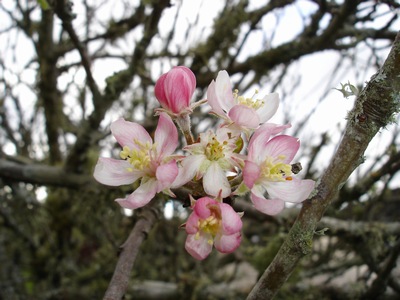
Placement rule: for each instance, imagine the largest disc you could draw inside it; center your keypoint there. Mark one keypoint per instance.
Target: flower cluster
(244, 155)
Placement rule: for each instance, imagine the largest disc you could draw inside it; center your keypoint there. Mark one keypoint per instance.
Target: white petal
(271, 104)
(214, 181)
(223, 89)
(190, 166)
(294, 190)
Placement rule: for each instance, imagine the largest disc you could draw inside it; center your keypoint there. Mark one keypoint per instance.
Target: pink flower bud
(175, 88)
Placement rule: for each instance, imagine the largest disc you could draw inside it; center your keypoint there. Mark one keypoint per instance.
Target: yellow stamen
(249, 102)
(212, 224)
(215, 150)
(276, 170)
(139, 158)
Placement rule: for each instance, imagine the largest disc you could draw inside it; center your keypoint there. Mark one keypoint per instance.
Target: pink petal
(141, 196)
(294, 190)
(179, 85)
(227, 243)
(190, 78)
(267, 206)
(214, 181)
(175, 88)
(159, 91)
(271, 104)
(189, 168)
(115, 172)
(223, 90)
(245, 116)
(166, 175)
(198, 248)
(251, 172)
(231, 221)
(281, 145)
(166, 136)
(126, 133)
(201, 207)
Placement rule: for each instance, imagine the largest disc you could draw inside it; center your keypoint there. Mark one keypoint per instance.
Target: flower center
(139, 158)
(210, 225)
(249, 102)
(215, 150)
(276, 170)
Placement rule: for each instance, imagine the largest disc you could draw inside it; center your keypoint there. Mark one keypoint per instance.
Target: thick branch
(41, 174)
(377, 103)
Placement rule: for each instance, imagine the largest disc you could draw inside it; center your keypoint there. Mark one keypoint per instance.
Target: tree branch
(42, 174)
(130, 249)
(377, 103)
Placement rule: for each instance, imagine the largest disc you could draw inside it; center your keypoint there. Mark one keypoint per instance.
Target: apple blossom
(212, 223)
(141, 158)
(211, 158)
(239, 112)
(268, 169)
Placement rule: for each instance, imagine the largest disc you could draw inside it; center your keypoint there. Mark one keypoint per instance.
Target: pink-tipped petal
(294, 190)
(215, 181)
(199, 247)
(267, 206)
(261, 137)
(166, 175)
(223, 89)
(115, 172)
(271, 104)
(192, 224)
(227, 243)
(126, 133)
(281, 146)
(251, 172)
(213, 100)
(231, 221)
(245, 116)
(141, 196)
(166, 136)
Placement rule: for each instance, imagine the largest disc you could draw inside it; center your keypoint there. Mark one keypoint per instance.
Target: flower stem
(183, 123)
